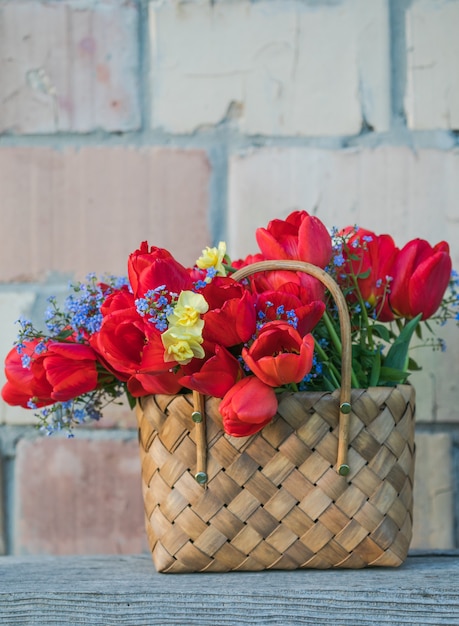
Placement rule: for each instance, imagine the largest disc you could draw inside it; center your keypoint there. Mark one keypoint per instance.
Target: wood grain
(113, 590)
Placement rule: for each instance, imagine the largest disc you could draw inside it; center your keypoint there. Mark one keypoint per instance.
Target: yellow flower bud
(213, 257)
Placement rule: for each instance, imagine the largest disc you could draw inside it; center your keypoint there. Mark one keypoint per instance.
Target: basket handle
(346, 360)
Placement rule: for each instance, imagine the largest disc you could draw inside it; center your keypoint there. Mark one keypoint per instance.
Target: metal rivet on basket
(345, 407)
(344, 470)
(196, 417)
(201, 478)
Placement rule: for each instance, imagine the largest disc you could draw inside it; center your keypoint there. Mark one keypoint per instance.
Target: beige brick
(78, 211)
(388, 190)
(432, 93)
(68, 66)
(78, 496)
(433, 525)
(275, 68)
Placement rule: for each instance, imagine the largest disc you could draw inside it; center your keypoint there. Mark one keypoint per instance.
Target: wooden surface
(112, 590)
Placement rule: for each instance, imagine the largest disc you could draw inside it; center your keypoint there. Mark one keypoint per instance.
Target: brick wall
(190, 122)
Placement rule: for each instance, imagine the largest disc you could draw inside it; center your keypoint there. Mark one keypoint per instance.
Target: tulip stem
(332, 332)
(334, 373)
(363, 309)
(337, 343)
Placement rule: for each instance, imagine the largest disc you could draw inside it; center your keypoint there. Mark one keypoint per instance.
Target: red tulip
(248, 260)
(60, 373)
(231, 319)
(131, 348)
(308, 314)
(151, 268)
(120, 299)
(247, 407)
(301, 236)
(26, 384)
(216, 376)
(288, 281)
(373, 257)
(279, 355)
(421, 276)
(70, 369)
(121, 339)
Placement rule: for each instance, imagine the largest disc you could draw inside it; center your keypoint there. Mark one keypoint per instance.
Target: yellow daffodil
(213, 258)
(181, 346)
(187, 312)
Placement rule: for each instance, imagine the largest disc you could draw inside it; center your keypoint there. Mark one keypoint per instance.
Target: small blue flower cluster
(63, 416)
(80, 314)
(289, 316)
(449, 308)
(454, 290)
(316, 371)
(27, 333)
(158, 303)
(208, 275)
(82, 308)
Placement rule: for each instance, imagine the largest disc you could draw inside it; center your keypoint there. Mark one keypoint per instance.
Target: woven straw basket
(327, 484)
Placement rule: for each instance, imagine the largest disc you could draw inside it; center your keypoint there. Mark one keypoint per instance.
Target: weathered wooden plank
(113, 590)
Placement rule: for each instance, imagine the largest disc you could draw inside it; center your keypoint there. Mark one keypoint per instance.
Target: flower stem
(363, 309)
(334, 372)
(332, 332)
(337, 343)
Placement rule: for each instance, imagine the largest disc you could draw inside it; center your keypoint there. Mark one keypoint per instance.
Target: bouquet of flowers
(169, 329)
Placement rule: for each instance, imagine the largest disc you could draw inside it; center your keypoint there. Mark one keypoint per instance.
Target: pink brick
(80, 211)
(67, 66)
(78, 496)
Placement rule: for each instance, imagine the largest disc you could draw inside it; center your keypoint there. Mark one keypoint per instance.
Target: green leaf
(397, 357)
(413, 366)
(364, 275)
(391, 375)
(429, 327)
(131, 400)
(382, 331)
(65, 334)
(419, 331)
(329, 386)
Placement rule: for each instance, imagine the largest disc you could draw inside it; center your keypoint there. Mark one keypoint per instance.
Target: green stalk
(332, 368)
(363, 308)
(337, 343)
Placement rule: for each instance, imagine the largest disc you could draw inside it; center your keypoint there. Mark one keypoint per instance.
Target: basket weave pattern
(274, 500)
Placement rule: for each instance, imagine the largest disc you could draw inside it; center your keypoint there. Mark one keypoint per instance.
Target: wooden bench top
(113, 590)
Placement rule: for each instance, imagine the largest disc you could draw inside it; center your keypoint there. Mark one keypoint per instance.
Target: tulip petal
(216, 376)
(145, 384)
(247, 407)
(425, 295)
(70, 378)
